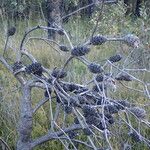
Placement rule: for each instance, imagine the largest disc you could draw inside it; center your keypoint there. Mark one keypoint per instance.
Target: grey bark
(25, 123)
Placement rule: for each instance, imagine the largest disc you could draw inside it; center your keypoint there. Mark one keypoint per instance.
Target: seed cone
(11, 31)
(123, 77)
(138, 112)
(132, 40)
(35, 68)
(95, 68)
(98, 40)
(58, 73)
(115, 58)
(63, 48)
(80, 51)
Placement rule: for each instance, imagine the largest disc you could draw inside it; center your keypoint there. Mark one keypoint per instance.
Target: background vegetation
(113, 22)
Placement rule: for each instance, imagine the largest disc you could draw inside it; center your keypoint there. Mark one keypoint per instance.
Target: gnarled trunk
(25, 123)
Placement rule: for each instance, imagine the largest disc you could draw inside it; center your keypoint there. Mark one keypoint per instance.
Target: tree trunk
(25, 123)
(53, 16)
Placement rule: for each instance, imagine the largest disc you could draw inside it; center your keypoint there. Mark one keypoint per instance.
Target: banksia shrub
(89, 108)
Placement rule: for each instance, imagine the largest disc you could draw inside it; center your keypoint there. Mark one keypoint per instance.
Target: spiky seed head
(71, 87)
(98, 40)
(109, 118)
(121, 104)
(92, 119)
(132, 40)
(59, 73)
(138, 112)
(110, 109)
(68, 109)
(115, 58)
(35, 68)
(124, 77)
(99, 78)
(63, 48)
(11, 31)
(87, 110)
(81, 99)
(95, 68)
(17, 65)
(80, 51)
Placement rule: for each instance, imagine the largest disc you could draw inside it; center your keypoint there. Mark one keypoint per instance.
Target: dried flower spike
(99, 78)
(115, 58)
(123, 77)
(80, 51)
(11, 31)
(63, 48)
(35, 68)
(132, 40)
(17, 66)
(95, 68)
(98, 40)
(58, 73)
(138, 112)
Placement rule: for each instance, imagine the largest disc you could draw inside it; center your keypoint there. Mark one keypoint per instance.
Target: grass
(80, 31)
